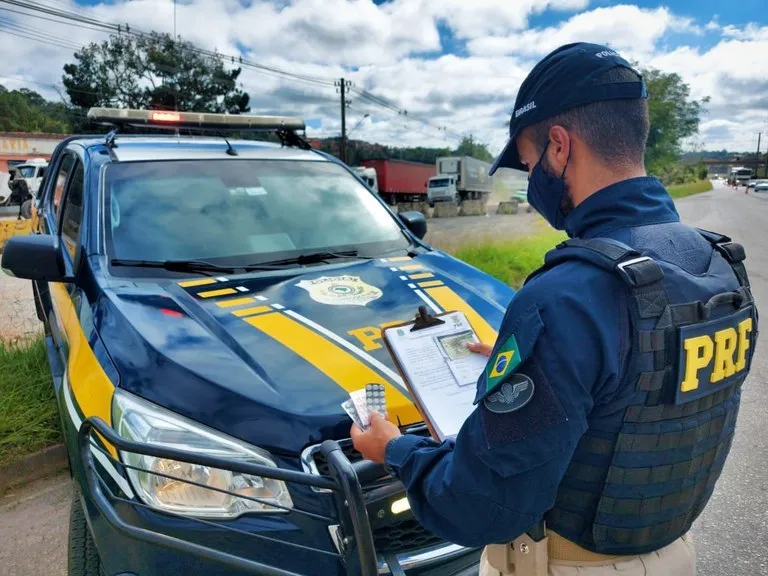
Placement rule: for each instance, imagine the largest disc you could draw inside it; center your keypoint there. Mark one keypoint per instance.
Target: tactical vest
(643, 473)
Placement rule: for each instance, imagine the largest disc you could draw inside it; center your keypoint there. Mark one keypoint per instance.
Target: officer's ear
(559, 149)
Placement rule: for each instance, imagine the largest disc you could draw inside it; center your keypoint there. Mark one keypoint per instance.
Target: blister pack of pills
(349, 408)
(375, 399)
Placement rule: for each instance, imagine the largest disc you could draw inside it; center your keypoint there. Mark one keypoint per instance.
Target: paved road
(731, 535)
(33, 528)
(732, 532)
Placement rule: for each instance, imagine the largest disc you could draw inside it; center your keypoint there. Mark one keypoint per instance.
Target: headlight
(141, 421)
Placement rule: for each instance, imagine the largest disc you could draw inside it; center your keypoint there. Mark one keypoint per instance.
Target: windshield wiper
(176, 265)
(310, 258)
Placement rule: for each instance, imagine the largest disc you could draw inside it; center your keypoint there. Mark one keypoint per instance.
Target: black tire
(83, 558)
(26, 209)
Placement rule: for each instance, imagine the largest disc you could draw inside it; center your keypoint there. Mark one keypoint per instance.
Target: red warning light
(173, 313)
(165, 117)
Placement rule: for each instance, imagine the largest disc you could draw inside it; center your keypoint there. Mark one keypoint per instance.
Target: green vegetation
(510, 261)
(153, 71)
(684, 190)
(674, 118)
(26, 111)
(28, 413)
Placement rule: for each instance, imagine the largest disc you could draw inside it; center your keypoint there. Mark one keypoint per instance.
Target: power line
(81, 20)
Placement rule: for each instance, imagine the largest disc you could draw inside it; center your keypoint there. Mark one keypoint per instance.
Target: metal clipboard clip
(425, 320)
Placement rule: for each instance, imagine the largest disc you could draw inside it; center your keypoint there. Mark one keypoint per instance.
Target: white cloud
(623, 27)
(394, 51)
(751, 31)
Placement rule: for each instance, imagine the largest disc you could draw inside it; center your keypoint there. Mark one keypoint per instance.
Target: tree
(153, 71)
(673, 116)
(24, 110)
(470, 147)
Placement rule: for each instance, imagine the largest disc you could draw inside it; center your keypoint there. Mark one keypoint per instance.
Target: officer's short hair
(615, 130)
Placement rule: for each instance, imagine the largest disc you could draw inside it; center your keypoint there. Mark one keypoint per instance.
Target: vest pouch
(669, 455)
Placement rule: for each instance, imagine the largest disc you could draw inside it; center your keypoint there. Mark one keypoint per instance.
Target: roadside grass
(683, 190)
(28, 414)
(510, 260)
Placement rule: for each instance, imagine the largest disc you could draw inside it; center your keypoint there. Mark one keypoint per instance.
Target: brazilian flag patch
(504, 363)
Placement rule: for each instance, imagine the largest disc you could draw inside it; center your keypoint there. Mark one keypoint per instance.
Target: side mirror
(35, 257)
(415, 222)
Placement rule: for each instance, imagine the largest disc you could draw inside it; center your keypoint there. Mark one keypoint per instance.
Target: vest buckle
(637, 272)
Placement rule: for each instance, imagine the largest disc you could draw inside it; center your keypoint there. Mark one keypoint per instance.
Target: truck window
(73, 210)
(61, 179)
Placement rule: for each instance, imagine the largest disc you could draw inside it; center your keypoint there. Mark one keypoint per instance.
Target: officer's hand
(480, 348)
(372, 443)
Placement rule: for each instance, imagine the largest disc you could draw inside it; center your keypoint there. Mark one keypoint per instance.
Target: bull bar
(356, 549)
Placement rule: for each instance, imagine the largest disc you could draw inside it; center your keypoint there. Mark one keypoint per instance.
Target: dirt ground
(450, 233)
(18, 319)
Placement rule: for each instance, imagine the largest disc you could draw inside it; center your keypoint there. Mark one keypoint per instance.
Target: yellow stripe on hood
(336, 363)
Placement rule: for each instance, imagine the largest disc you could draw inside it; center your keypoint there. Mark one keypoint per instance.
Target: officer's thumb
(375, 417)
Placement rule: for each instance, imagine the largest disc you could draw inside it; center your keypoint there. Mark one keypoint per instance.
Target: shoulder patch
(505, 361)
(513, 394)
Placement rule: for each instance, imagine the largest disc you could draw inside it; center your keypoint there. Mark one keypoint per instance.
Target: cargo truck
(739, 176)
(460, 178)
(401, 181)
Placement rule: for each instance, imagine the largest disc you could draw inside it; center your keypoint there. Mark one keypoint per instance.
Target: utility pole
(341, 88)
(757, 155)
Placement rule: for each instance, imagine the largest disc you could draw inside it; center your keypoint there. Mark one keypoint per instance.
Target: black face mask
(547, 193)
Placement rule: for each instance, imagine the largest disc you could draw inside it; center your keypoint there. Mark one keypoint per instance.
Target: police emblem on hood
(340, 290)
(512, 395)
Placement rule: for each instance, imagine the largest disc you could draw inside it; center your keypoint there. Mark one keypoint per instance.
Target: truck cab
(368, 176)
(443, 189)
(208, 305)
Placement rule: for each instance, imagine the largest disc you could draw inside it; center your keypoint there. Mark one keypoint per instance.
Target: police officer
(608, 405)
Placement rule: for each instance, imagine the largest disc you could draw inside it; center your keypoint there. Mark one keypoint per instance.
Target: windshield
(744, 172)
(27, 171)
(244, 211)
(439, 183)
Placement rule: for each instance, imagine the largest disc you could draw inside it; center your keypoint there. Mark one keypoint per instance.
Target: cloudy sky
(450, 67)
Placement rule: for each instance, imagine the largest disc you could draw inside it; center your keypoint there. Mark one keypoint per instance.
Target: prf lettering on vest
(726, 352)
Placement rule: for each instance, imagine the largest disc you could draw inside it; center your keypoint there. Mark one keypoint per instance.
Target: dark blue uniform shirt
(571, 325)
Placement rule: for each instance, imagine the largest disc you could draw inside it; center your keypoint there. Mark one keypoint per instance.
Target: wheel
(26, 209)
(83, 558)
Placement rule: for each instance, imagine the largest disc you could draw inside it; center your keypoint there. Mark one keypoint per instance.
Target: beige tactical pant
(677, 559)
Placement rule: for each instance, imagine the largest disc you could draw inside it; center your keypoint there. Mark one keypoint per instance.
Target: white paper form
(440, 369)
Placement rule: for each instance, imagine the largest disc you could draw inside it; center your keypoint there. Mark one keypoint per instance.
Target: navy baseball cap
(566, 78)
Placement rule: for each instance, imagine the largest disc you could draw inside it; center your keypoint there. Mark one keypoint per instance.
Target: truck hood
(269, 358)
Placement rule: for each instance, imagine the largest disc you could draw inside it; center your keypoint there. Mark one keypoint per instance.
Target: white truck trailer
(459, 178)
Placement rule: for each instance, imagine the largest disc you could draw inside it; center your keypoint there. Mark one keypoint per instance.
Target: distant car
(761, 186)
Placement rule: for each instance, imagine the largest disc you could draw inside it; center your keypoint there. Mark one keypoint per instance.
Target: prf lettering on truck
(714, 354)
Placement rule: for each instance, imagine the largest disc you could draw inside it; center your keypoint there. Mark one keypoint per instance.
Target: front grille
(321, 465)
(404, 536)
(349, 451)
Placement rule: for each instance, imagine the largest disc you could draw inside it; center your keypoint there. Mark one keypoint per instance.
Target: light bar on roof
(170, 118)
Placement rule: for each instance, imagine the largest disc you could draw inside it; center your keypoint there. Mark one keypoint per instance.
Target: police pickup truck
(208, 305)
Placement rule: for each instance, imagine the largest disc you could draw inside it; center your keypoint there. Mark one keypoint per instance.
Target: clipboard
(422, 321)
